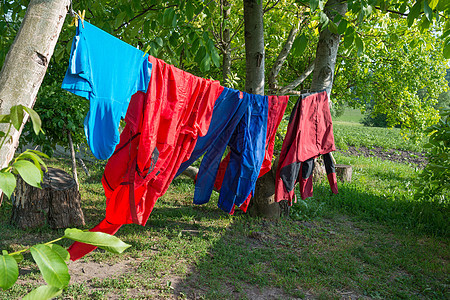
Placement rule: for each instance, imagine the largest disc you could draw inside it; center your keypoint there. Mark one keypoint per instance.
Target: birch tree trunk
(327, 49)
(74, 160)
(254, 46)
(27, 60)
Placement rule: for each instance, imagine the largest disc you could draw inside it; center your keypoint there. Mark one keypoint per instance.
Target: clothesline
(165, 130)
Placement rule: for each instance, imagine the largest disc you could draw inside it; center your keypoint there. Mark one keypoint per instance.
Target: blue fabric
(107, 72)
(247, 150)
(240, 121)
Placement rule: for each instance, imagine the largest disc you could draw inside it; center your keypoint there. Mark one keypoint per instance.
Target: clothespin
(80, 15)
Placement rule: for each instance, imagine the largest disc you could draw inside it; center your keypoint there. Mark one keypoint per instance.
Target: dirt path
(401, 156)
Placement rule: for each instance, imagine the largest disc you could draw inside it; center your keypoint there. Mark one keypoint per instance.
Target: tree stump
(344, 173)
(58, 202)
(263, 202)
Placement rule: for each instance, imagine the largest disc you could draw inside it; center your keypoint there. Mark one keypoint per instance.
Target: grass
(351, 115)
(351, 134)
(371, 240)
(364, 242)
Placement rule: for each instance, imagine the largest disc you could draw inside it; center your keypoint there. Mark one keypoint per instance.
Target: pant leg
(306, 184)
(247, 149)
(211, 160)
(331, 172)
(225, 107)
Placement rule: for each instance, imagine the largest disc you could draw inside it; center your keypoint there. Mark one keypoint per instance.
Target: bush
(434, 182)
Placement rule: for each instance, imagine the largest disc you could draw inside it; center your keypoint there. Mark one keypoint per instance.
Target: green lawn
(350, 115)
(370, 240)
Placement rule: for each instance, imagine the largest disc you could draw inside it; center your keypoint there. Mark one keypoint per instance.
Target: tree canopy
(392, 55)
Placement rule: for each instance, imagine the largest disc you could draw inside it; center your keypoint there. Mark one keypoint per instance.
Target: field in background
(371, 240)
(350, 115)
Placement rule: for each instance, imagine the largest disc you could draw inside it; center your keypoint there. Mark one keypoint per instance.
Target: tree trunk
(327, 49)
(276, 68)
(74, 160)
(27, 60)
(57, 203)
(226, 42)
(254, 46)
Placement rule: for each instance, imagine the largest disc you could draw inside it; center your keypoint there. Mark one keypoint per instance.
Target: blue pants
(240, 121)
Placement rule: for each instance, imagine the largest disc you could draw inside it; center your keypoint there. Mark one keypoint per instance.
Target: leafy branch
(51, 259)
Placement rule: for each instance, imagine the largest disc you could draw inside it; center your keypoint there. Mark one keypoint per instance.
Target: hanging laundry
(107, 72)
(277, 107)
(239, 121)
(309, 134)
(162, 127)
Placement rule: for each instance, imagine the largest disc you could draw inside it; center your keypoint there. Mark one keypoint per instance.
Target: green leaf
(146, 28)
(348, 40)
(189, 10)
(427, 10)
(52, 266)
(313, 4)
(38, 162)
(323, 19)
(9, 271)
(38, 153)
(359, 45)
(159, 41)
(433, 3)
(7, 183)
(332, 27)
(299, 45)
(5, 118)
(342, 27)
(200, 55)
(29, 173)
(62, 252)
(16, 115)
(205, 63)
(17, 257)
(119, 19)
(43, 292)
(35, 119)
(414, 13)
(102, 240)
(215, 57)
(446, 50)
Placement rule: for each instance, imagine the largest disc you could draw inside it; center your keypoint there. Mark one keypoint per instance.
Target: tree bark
(254, 46)
(226, 41)
(327, 49)
(291, 86)
(57, 203)
(27, 60)
(74, 160)
(273, 75)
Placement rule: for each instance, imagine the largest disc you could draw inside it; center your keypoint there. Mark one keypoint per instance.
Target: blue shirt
(107, 72)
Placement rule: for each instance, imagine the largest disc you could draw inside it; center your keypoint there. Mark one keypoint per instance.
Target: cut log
(58, 203)
(344, 173)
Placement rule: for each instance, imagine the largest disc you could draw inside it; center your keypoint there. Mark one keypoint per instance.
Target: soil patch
(401, 156)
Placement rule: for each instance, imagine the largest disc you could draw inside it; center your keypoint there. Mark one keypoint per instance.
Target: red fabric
(167, 120)
(332, 180)
(277, 107)
(309, 134)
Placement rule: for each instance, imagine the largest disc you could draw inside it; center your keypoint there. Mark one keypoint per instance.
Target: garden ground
(371, 241)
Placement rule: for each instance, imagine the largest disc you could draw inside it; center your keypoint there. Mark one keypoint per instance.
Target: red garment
(309, 134)
(162, 127)
(277, 106)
